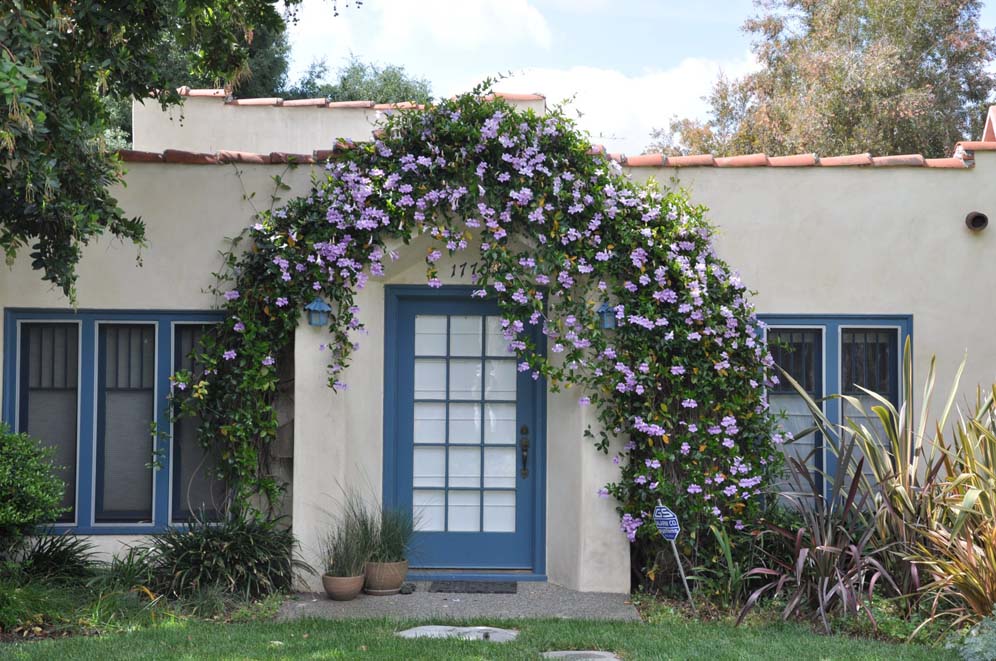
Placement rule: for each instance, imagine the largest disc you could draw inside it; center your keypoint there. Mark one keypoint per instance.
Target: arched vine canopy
(560, 230)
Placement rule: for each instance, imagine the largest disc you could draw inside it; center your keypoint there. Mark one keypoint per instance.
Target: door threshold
(475, 575)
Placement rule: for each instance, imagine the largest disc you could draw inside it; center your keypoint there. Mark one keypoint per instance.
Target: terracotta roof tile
(132, 156)
(977, 145)
(284, 157)
(745, 161)
(900, 160)
(512, 96)
(189, 157)
(693, 160)
(793, 161)
(989, 133)
(843, 161)
(953, 162)
(296, 103)
(404, 105)
(263, 101)
(226, 156)
(645, 161)
(351, 104)
(322, 155)
(214, 93)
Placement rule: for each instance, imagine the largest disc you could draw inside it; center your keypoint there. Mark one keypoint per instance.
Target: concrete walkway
(533, 600)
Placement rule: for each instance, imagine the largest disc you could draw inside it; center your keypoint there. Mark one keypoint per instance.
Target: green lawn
(373, 639)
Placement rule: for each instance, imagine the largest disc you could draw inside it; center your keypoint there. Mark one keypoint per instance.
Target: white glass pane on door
(499, 424)
(429, 510)
(497, 345)
(465, 336)
(499, 468)
(465, 423)
(430, 423)
(465, 379)
(499, 379)
(429, 469)
(464, 511)
(465, 467)
(430, 379)
(430, 335)
(499, 511)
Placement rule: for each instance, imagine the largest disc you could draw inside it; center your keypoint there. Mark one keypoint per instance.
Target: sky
(624, 66)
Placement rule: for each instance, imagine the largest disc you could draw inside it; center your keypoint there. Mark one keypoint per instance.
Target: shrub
(32, 603)
(58, 557)
(979, 644)
(247, 557)
(30, 491)
(831, 563)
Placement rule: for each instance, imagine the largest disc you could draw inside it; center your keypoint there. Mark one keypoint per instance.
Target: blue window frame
(123, 361)
(834, 354)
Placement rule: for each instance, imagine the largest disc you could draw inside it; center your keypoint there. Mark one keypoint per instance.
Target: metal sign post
(667, 523)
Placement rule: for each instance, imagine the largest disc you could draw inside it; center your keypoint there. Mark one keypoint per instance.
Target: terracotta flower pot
(384, 578)
(342, 588)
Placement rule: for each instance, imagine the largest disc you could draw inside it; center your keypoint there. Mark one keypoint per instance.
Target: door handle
(524, 451)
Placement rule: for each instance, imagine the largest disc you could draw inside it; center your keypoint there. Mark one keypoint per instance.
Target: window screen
(196, 490)
(798, 351)
(48, 397)
(125, 412)
(869, 358)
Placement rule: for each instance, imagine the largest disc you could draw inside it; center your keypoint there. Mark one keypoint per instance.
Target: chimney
(989, 133)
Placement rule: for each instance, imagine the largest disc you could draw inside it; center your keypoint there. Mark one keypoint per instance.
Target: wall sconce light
(318, 312)
(607, 315)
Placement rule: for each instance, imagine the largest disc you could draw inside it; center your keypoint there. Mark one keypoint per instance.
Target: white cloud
(391, 30)
(620, 110)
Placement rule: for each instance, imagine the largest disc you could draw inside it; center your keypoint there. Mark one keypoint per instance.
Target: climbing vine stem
(676, 387)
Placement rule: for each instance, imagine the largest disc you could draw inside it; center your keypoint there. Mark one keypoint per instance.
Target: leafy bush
(979, 644)
(831, 563)
(30, 490)
(937, 503)
(247, 557)
(58, 557)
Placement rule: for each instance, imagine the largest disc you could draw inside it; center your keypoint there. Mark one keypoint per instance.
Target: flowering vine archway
(560, 231)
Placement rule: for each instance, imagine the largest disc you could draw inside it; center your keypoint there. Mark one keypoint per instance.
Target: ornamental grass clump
(557, 230)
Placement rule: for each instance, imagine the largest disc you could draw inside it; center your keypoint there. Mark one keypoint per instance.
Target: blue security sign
(667, 523)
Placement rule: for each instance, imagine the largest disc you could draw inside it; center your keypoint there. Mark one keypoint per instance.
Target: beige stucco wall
(208, 124)
(817, 240)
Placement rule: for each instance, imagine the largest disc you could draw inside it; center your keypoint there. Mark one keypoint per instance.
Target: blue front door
(463, 446)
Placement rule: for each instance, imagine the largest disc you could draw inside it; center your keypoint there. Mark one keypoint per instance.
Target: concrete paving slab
(534, 600)
(491, 634)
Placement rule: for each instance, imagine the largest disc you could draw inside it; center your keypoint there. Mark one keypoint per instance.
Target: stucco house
(849, 256)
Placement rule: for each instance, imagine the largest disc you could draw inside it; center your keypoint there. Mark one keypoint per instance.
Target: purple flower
(677, 370)
(584, 401)
(281, 302)
(268, 361)
(694, 488)
(231, 294)
(229, 355)
(238, 327)
(689, 403)
(685, 448)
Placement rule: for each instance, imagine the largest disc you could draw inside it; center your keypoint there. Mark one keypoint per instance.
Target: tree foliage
(358, 80)
(59, 62)
(850, 76)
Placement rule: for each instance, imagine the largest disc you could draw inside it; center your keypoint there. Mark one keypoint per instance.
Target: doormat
(474, 587)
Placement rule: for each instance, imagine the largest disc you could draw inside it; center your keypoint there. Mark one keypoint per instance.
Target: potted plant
(346, 550)
(388, 564)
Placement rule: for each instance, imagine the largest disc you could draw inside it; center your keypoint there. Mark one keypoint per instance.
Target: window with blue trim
(834, 355)
(95, 386)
